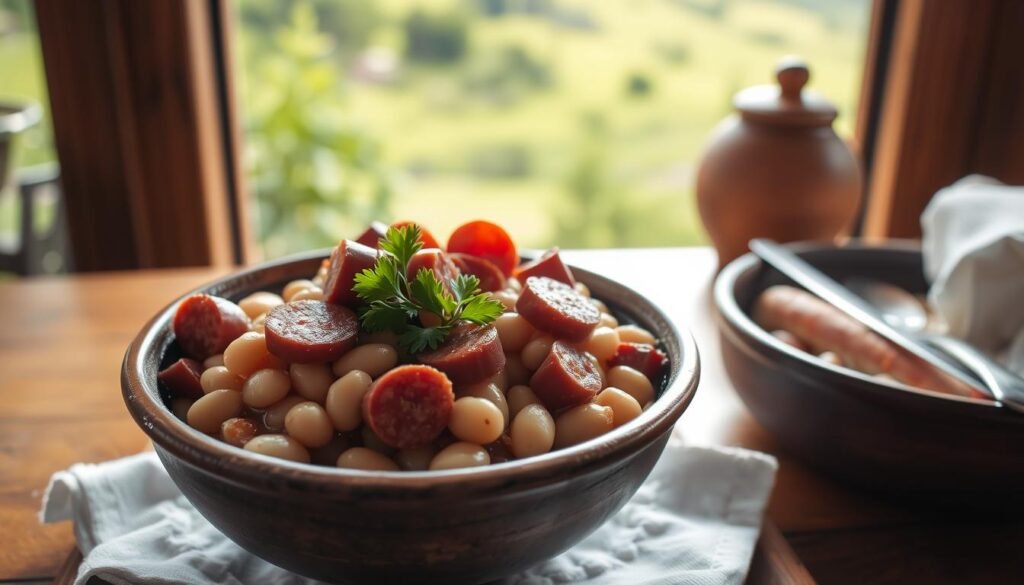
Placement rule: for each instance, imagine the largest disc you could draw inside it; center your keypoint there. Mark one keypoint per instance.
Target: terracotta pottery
(777, 169)
(451, 527)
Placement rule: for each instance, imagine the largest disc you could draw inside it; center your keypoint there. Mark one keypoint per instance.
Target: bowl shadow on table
(914, 447)
(458, 526)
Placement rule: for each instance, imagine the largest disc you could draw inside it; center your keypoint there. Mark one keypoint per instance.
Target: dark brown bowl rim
(730, 311)
(246, 469)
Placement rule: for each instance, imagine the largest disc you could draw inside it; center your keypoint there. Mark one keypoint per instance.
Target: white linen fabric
(973, 249)
(695, 521)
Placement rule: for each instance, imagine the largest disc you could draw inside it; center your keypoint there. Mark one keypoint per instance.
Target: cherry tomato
(486, 240)
(428, 239)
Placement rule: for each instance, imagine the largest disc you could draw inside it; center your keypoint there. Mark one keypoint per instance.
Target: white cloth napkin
(974, 255)
(695, 521)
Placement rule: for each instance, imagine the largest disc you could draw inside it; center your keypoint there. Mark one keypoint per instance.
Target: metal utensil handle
(1006, 386)
(823, 286)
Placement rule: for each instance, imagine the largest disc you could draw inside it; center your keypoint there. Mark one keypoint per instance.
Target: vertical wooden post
(137, 124)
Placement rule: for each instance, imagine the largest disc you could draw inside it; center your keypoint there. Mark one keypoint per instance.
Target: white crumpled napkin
(974, 256)
(695, 521)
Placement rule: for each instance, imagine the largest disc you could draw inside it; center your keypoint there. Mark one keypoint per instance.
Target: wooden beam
(952, 106)
(138, 132)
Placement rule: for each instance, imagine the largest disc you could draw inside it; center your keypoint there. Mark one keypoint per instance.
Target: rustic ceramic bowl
(879, 435)
(459, 526)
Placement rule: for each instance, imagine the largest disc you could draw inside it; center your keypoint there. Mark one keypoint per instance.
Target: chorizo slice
(470, 353)
(642, 357)
(373, 234)
(204, 325)
(347, 260)
(550, 265)
(436, 260)
(557, 309)
(409, 406)
(491, 278)
(181, 379)
(308, 331)
(566, 378)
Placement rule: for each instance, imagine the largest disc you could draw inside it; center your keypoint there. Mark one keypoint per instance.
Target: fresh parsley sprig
(394, 303)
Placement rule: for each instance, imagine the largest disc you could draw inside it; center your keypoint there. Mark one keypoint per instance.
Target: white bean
(278, 446)
(603, 343)
(536, 352)
(207, 413)
(248, 353)
(488, 391)
(415, 458)
(372, 358)
(514, 331)
(635, 334)
(366, 459)
(219, 377)
(476, 420)
(519, 397)
(344, 402)
(308, 423)
(274, 415)
(259, 303)
(533, 431)
(295, 286)
(633, 382)
(624, 407)
(459, 455)
(311, 380)
(265, 387)
(582, 423)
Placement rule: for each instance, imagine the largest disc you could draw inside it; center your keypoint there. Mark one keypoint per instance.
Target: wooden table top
(62, 341)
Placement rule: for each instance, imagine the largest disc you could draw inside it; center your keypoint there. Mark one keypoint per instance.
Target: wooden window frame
(146, 129)
(951, 104)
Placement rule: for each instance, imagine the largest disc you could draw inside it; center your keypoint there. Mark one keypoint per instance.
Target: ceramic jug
(776, 168)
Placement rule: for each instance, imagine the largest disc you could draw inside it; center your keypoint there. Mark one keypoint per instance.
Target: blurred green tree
(316, 175)
(436, 37)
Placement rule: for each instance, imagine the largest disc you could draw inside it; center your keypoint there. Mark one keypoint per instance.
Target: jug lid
(788, 103)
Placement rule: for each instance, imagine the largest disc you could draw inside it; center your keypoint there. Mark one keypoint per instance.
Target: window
(27, 159)
(570, 122)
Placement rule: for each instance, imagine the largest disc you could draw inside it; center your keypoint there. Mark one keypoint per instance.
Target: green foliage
(316, 174)
(436, 38)
(639, 85)
(394, 302)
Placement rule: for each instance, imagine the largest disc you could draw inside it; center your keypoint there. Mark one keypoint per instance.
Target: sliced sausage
(566, 378)
(556, 308)
(644, 358)
(550, 265)
(471, 353)
(373, 234)
(181, 379)
(436, 260)
(204, 325)
(306, 332)
(491, 278)
(409, 406)
(347, 260)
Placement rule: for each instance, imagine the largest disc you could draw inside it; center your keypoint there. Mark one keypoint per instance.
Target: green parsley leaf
(416, 339)
(381, 316)
(426, 290)
(394, 303)
(465, 286)
(482, 310)
(402, 243)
